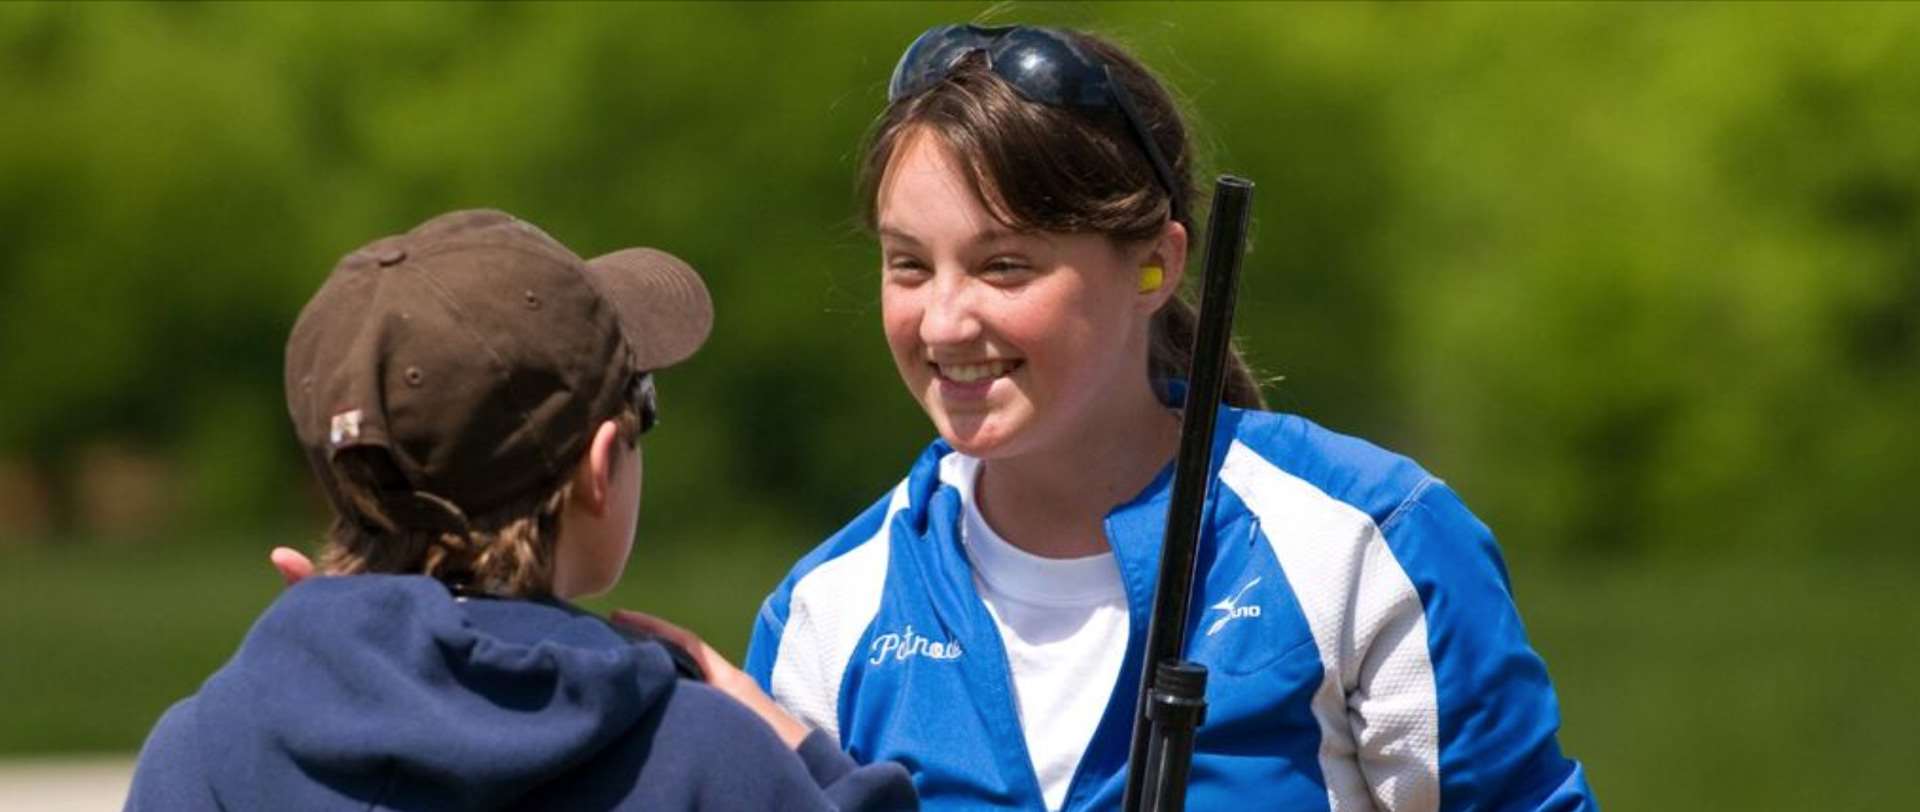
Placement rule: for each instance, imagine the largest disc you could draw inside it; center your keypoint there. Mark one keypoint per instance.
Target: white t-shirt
(1064, 625)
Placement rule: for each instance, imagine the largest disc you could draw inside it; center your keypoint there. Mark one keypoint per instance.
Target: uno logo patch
(1232, 610)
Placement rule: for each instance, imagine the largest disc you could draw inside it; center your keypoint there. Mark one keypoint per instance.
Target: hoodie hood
(389, 692)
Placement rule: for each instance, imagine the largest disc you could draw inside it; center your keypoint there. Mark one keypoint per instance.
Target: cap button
(391, 257)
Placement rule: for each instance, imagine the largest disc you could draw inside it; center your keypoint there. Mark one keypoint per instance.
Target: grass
(96, 641)
(1732, 685)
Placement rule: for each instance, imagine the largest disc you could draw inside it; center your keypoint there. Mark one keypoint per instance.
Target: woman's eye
(1007, 269)
(906, 269)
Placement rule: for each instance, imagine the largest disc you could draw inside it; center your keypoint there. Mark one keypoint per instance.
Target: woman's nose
(949, 316)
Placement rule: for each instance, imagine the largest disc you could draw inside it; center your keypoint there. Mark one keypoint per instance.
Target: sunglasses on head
(1042, 65)
(645, 402)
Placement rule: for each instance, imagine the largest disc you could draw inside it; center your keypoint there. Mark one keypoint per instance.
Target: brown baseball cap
(480, 354)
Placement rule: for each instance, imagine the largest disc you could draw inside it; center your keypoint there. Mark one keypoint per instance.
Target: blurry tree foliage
(1634, 278)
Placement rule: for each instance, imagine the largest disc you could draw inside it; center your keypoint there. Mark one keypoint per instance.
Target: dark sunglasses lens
(1046, 69)
(929, 59)
(646, 402)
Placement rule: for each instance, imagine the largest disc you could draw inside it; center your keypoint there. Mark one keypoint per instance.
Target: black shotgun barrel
(1192, 476)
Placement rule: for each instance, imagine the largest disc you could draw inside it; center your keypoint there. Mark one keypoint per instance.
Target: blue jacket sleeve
(1498, 717)
(765, 642)
(770, 626)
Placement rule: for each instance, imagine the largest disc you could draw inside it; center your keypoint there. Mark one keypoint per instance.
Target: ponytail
(510, 555)
(509, 551)
(1170, 355)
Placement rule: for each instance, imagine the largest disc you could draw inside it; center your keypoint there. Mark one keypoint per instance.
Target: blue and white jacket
(1363, 646)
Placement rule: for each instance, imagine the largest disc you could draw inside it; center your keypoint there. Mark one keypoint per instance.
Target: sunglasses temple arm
(1140, 132)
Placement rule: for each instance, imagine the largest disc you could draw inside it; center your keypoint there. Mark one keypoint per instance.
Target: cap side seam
(499, 364)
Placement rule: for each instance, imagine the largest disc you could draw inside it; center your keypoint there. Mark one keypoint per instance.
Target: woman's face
(1012, 342)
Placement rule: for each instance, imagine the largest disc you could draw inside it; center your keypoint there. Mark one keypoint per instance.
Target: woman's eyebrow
(892, 233)
(999, 235)
(983, 237)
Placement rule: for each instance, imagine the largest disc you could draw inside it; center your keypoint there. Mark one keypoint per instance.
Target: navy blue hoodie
(386, 692)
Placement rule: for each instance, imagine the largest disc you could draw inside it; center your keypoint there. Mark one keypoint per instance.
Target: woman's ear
(1163, 267)
(593, 477)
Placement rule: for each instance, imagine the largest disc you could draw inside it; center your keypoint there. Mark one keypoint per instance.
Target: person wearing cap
(470, 396)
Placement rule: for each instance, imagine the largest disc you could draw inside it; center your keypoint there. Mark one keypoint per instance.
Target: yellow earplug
(1150, 278)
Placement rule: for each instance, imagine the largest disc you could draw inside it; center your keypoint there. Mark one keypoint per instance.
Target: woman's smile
(974, 372)
(971, 381)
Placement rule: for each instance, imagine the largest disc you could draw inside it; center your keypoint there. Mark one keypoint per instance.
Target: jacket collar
(1136, 528)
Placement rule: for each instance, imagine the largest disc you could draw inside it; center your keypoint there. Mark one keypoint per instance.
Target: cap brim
(663, 306)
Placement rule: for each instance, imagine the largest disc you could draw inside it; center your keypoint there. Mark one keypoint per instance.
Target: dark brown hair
(1038, 167)
(507, 552)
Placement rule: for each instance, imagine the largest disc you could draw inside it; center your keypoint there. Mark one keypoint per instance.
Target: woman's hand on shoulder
(721, 674)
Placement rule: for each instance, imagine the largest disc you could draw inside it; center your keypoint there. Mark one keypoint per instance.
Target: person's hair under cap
(479, 354)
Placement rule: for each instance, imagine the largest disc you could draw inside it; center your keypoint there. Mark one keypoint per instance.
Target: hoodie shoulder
(745, 766)
(723, 757)
(700, 749)
(168, 775)
(384, 689)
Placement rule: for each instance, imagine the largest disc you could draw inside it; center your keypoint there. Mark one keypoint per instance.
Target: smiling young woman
(983, 622)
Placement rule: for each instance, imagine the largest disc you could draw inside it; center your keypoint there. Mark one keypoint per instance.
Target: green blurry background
(1642, 281)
